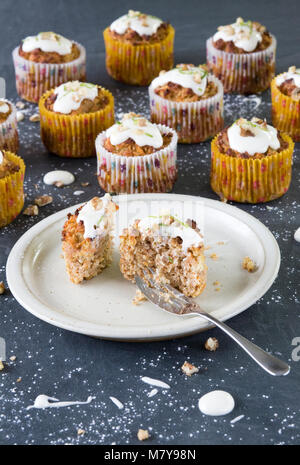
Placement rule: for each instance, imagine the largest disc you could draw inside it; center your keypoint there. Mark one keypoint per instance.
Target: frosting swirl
(47, 42)
(71, 94)
(93, 214)
(142, 24)
(188, 76)
(137, 128)
(4, 108)
(292, 73)
(254, 136)
(243, 34)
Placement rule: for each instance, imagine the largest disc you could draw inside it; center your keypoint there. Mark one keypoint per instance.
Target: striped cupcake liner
(246, 73)
(156, 172)
(34, 79)
(11, 192)
(9, 138)
(285, 112)
(251, 181)
(138, 64)
(193, 121)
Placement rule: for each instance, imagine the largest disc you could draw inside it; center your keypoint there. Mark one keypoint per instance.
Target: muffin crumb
(143, 434)
(2, 287)
(249, 265)
(58, 184)
(35, 118)
(211, 344)
(84, 184)
(189, 369)
(138, 298)
(31, 210)
(19, 380)
(80, 432)
(12, 358)
(20, 105)
(1, 365)
(43, 200)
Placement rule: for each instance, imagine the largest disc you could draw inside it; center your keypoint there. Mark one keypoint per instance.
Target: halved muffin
(9, 138)
(174, 249)
(87, 239)
(12, 171)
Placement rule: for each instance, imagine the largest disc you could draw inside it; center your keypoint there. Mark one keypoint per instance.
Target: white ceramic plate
(103, 306)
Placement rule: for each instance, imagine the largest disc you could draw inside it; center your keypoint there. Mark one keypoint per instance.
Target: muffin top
(166, 226)
(75, 98)
(48, 47)
(134, 136)
(250, 139)
(185, 83)
(7, 166)
(5, 110)
(136, 27)
(289, 82)
(242, 37)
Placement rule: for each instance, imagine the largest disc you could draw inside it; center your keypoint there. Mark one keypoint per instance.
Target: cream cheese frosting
(162, 226)
(292, 73)
(187, 76)
(144, 25)
(261, 136)
(4, 107)
(243, 34)
(47, 42)
(1, 158)
(71, 94)
(93, 216)
(137, 128)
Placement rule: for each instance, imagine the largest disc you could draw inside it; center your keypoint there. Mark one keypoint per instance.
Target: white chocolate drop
(59, 176)
(155, 382)
(297, 235)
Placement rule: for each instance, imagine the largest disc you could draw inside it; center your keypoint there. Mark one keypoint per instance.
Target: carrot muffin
(188, 99)
(174, 249)
(71, 117)
(137, 47)
(242, 56)
(12, 170)
(87, 239)
(45, 61)
(9, 138)
(285, 91)
(135, 155)
(251, 162)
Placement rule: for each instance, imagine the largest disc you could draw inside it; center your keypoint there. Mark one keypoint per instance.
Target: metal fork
(173, 301)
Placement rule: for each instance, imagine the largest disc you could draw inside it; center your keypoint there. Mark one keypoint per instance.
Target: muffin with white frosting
(251, 162)
(242, 56)
(72, 115)
(135, 156)
(12, 170)
(285, 91)
(190, 100)
(137, 47)
(45, 61)
(9, 138)
(87, 239)
(172, 248)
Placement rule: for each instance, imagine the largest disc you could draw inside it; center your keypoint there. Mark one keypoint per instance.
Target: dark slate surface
(70, 366)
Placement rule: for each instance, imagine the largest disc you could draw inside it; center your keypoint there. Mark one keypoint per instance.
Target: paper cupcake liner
(285, 112)
(11, 192)
(193, 121)
(34, 79)
(251, 181)
(147, 173)
(247, 73)
(138, 64)
(74, 135)
(9, 138)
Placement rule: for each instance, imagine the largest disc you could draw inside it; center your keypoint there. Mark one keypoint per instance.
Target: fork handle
(268, 362)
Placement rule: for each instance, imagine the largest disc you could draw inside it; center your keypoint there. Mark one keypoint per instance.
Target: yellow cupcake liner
(138, 64)
(74, 136)
(246, 73)
(285, 112)
(11, 192)
(250, 180)
(193, 121)
(156, 172)
(9, 138)
(34, 79)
